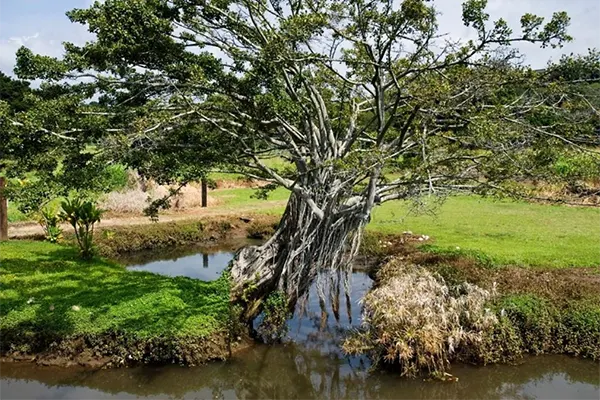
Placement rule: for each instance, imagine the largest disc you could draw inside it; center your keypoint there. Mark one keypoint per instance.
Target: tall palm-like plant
(82, 215)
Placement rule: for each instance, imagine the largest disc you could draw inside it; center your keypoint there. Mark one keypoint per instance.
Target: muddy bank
(114, 350)
(218, 232)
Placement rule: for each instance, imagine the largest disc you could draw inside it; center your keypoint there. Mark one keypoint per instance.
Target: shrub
(82, 215)
(273, 326)
(49, 219)
(116, 177)
(414, 320)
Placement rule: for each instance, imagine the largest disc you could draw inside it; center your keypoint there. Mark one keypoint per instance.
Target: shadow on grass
(55, 294)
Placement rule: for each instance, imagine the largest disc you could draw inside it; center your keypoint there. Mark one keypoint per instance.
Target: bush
(415, 321)
(82, 215)
(49, 220)
(273, 326)
(116, 177)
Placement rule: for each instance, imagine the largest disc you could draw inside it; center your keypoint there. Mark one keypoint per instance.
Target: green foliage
(49, 219)
(273, 326)
(543, 327)
(14, 93)
(82, 215)
(142, 312)
(577, 166)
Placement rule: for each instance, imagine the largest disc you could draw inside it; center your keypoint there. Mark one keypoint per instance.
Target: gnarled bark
(303, 244)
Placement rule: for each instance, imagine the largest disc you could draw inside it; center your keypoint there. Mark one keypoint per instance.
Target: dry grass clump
(412, 319)
(138, 197)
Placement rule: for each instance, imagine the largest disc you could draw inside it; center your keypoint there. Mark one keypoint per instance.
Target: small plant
(49, 219)
(82, 215)
(273, 326)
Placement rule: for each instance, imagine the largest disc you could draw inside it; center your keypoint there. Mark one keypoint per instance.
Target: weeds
(415, 321)
(260, 230)
(273, 326)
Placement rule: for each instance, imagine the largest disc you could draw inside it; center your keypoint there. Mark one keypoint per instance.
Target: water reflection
(206, 267)
(293, 372)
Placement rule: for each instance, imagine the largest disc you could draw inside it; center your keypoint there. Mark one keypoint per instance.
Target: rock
(76, 308)
(31, 300)
(51, 307)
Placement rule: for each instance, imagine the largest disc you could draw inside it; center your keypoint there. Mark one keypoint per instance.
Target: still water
(309, 365)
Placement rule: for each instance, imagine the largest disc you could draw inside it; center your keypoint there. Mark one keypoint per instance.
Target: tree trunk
(302, 245)
(204, 193)
(3, 211)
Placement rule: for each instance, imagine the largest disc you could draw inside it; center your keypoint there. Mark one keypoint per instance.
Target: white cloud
(37, 44)
(585, 22)
(44, 35)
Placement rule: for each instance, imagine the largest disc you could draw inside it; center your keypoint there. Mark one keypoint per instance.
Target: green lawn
(14, 215)
(45, 288)
(509, 232)
(244, 197)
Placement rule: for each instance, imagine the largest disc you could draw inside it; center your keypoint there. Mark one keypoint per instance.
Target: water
(194, 262)
(206, 267)
(309, 365)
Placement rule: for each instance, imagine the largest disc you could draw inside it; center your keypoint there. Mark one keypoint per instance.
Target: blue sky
(43, 26)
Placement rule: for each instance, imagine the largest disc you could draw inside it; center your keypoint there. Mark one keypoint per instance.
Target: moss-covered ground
(48, 293)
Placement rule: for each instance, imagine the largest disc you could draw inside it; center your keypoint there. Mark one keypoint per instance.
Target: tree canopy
(367, 99)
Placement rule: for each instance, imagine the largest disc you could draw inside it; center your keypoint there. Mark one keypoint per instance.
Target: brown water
(309, 365)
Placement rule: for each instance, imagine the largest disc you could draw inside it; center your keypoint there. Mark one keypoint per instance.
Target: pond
(308, 365)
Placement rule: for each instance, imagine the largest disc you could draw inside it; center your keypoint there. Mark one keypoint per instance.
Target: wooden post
(3, 211)
(204, 193)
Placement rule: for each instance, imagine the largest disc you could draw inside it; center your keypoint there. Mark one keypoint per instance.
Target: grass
(15, 215)
(244, 197)
(275, 162)
(509, 232)
(44, 284)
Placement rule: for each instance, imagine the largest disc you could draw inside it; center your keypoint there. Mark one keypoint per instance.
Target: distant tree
(13, 98)
(345, 90)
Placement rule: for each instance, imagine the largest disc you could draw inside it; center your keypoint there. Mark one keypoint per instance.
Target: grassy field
(47, 289)
(245, 197)
(509, 232)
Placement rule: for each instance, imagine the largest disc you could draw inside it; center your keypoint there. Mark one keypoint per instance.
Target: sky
(42, 25)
